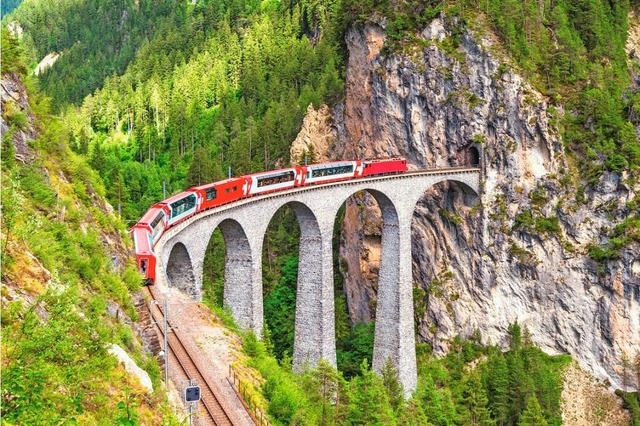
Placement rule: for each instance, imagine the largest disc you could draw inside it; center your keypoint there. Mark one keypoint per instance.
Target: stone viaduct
(181, 252)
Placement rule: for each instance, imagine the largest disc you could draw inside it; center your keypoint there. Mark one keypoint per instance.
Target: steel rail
(216, 413)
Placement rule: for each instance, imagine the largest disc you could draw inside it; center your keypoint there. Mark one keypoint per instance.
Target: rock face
(315, 138)
(131, 367)
(522, 253)
(17, 116)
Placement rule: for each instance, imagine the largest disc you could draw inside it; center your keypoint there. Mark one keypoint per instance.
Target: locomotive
(167, 213)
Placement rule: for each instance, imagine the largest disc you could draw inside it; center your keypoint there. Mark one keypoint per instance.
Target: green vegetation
(472, 385)
(178, 92)
(184, 91)
(571, 51)
(58, 279)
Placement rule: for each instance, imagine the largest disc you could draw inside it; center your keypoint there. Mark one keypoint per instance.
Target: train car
(154, 221)
(171, 211)
(145, 258)
(219, 193)
(330, 172)
(384, 167)
(180, 206)
(277, 180)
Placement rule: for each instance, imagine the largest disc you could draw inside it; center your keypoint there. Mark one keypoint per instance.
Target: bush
(547, 225)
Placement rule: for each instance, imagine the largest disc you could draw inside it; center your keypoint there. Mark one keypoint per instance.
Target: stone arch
(180, 270)
(309, 336)
(238, 273)
(387, 334)
(443, 229)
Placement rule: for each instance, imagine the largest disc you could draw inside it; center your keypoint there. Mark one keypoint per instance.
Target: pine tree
(201, 168)
(412, 414)
(497, 380)
(476, 402)
(369, 404)
(532, 415)
(392, 385)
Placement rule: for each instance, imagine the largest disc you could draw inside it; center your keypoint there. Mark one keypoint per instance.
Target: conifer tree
(392, 385)
(412, 414)
(369, 404)
(201, 168)
(476, 402)
(532, 415)
(497, 380)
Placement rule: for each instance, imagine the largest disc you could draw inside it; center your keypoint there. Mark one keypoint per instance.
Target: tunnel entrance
(473, 156)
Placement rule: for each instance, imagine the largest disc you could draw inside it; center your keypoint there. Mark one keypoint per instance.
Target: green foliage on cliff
(59, 278)
(573, 51)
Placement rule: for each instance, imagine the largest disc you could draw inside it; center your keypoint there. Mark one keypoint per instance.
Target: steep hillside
(556, 242)
(118, 30)
(66, 277)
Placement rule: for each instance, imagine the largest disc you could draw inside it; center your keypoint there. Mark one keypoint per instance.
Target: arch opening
(228, 272)
(364, 231)
(180, 270)
(445, 223)
(213, 278)
(473, 156)
(280, 254)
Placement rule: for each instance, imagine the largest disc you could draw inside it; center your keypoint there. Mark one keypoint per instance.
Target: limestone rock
(476, 268)
(17, 116)
(315, 137)
(131, 367)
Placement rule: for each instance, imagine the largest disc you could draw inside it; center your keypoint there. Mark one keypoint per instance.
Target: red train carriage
(145, 258)
(223, 192)
(330, 172)
(180, 207)
(277, 180)
(384, 167)
(154, 221)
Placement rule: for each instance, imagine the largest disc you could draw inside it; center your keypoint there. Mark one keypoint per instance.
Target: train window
(183, 205)
(336, 170)
(211, 194)
(277, 178)
(157, 219)
(143, 266)
(235, 188)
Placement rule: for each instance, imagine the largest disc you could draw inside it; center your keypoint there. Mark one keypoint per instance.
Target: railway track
(214, 411)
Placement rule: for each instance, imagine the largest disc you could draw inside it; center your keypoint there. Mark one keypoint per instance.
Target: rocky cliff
(519, 250)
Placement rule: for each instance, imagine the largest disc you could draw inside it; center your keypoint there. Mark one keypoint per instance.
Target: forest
(182, 92)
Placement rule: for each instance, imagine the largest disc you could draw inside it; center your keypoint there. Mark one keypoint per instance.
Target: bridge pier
(315, 319)
(394, 338)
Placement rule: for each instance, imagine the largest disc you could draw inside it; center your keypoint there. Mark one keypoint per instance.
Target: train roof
(220, 182)
(272, 172)
(150, 214)
(177, 197)
(380, 160)
(141, 241)
(329, 165)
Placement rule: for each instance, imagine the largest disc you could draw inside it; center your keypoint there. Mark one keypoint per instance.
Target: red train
(165, 214)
